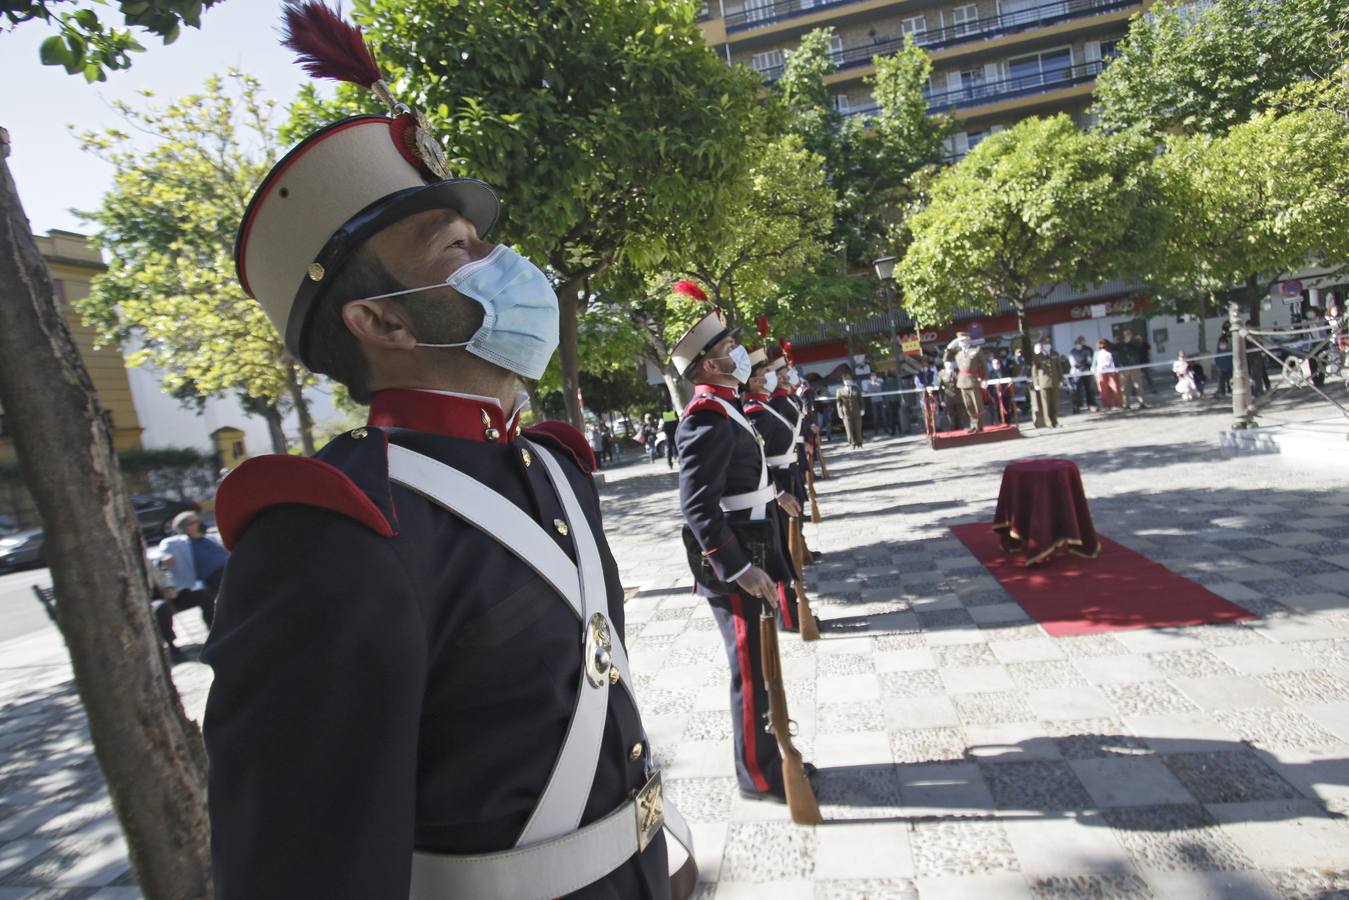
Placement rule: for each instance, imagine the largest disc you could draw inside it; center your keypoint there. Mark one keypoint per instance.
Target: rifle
(814, 501)
(819, 454)
(810, 630)
(801, 802)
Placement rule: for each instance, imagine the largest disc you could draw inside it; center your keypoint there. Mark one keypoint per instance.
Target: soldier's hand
(790, 505)
(756, 583)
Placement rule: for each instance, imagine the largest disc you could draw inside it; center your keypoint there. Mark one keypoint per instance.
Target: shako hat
(962, 334)
(689, 349)
(758, 359)
(341, 184)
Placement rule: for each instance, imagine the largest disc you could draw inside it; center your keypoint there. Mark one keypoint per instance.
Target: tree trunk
(1022, 326)
(272, 414)
(1203, 328)
(567, 299)
(301, 406)
(532, 389)
(1241, 376)
(151, 755)
(1254, 297)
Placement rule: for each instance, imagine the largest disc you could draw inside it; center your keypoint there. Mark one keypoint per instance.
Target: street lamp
(885, 271)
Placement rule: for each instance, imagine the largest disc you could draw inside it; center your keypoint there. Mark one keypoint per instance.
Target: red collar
(466, 416)
(756, 397)
(782, 392)
(714, 390)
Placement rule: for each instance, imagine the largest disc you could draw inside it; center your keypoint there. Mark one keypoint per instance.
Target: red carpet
(1119, 590)
(990, 433)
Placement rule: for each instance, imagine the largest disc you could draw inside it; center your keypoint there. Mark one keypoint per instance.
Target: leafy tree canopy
(1201, 68)
(85, 44)
(168, 227)
(1040, 204)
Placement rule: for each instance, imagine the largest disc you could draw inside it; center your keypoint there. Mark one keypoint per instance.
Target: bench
(47, 597)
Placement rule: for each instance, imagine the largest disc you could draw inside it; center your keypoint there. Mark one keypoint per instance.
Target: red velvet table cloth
(1042, 508)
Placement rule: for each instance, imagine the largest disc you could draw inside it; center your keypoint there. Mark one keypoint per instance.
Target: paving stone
(961, 848)
(917, 683)
(946, 619)
(1311, 686)
(1234, 777)
(1105, 887)
(944, 789)
(702, 799)
(1227, 635)
(964, 655)
(1034, 648)
(1301, 884)
(1146, 698)
(1285, 834)
(1274, 727)
(1039, 785)
(1080, 844)
(1118, 669)
(1222, 692)
(768, 851)
(1070, 703)
(869, 792)
(1047, 674)
(918, 745)
(1190, 664)
(1090, 645)
(847, 717)
(992, 708)
(1095, 739)
(1172, 837)
(1129, 781)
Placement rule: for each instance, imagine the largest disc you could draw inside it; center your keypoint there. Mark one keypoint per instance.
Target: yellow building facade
(73, 263)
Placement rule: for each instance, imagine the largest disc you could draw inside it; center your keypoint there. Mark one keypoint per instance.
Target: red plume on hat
(690, 289)
(328, 46)
(761, 323)
(787, 350)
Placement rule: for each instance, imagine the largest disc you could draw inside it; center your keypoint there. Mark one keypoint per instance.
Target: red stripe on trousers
(784, 605)
(749, 724)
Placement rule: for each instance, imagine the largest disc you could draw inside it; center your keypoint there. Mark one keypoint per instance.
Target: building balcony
(989, 92)
(985, 29)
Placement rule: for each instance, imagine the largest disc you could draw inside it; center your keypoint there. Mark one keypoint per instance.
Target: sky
(52, 173)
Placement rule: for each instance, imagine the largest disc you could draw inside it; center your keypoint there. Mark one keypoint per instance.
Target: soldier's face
(758, 381)
(426, 248)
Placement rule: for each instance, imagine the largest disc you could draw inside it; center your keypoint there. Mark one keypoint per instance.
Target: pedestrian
(1079, 376)
(728, 505)
(410, 621)
(1222, 364)
(1127, 359)
(650, 433)
(1143, 350)
(1185, 384)
(1107, 377)
(595, 437)
(872, 388)
(849, 401)
(970, 374)
(193, 564)
(1047, 370)
(669, 422)
(999, 392)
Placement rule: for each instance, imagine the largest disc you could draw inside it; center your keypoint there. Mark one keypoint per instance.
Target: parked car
(156, 514)
(21, 550)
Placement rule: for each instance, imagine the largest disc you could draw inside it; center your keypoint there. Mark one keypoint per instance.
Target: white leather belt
(782, 460)
(760, 497)
(551, 868)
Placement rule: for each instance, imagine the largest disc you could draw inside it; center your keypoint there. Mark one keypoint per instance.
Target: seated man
(193, 565)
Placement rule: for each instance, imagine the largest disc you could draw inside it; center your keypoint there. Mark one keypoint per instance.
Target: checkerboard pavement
(963, 751)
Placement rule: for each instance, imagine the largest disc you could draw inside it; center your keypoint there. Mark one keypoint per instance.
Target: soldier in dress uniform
(420, 688)
(1047, 371)
(779, 447)
(970, 375)
(849, 400)
(792, 406)
(729, 504)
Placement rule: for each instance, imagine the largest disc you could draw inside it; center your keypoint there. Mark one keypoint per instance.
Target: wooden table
(1042, 508)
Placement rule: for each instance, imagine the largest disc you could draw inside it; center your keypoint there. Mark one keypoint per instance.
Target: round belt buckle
(599, 651)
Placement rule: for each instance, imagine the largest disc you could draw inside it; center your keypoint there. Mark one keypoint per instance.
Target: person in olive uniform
(849, 399)
(404, 640)
(1047, 371)
(970, 376)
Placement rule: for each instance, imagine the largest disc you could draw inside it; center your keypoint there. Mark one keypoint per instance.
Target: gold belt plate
(650, 808)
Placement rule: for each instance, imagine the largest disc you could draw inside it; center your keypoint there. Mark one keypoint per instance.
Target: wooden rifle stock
(814, 501)
(819, 454)
(810, 629)
(801, 802)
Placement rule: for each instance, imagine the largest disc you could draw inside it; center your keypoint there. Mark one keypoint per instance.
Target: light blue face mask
(519, 329)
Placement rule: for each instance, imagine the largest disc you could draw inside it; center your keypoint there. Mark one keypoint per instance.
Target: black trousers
(202, 598)
(1084, 392)
(758, 764)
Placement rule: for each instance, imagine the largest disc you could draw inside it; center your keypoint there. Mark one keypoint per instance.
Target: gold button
(636, 752)
(315, 272)
(359, 433)
(492, 435)
(529, 460)
(613, 675)
(561, 527)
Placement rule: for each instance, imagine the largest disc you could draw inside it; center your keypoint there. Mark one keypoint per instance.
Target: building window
(758, 10)
(916, 26)
(836, 50)
(1048, 67)
(972, 138)
(1110, 49)
(963, 19)
(1023, 12)
(768, 61)
(842, 104)
(59, 294)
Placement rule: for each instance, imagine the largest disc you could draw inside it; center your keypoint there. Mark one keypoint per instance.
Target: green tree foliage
(599, 120)
(168, 227)
(1264, 199)
(1201, 68)
(1038, 205)
(85, 44)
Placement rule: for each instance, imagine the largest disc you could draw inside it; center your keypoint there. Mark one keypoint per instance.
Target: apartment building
(993, 61)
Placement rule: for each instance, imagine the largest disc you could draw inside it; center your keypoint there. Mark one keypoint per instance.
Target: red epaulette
(566, 438)
(706, 404)
(277, 479)
(754, 407)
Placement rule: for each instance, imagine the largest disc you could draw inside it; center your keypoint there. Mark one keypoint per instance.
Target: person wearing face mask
(420, 687)
(1047, 371)
(970, 376)
(730, 507)
(849, 401)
